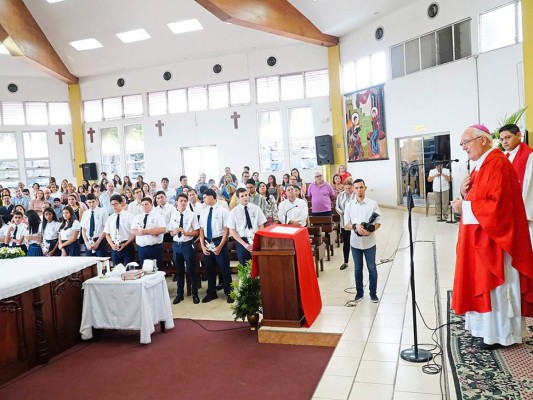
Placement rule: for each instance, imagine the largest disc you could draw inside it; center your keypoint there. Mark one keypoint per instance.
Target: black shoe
(209, 297)
(495, 346)
(230, 300)
(178, 299)
(175, 278)
(344, 266)
(219, 287)
(195, 299)
(358, 297)
(374, 298)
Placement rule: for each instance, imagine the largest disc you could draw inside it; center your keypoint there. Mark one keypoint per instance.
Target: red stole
(520, 161)
(496, 200)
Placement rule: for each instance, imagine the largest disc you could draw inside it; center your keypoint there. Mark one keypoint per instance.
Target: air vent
(379, 33)
(271, 61)
(433, 10)
(121, 82)
(217, 68)
(13, 88)
(167, 75)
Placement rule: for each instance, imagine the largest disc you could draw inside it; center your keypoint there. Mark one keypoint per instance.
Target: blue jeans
(370, 257)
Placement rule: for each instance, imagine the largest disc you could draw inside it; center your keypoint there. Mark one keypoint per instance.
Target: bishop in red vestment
(493, 281)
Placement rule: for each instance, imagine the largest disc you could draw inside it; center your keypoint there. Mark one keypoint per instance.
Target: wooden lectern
(280, 291)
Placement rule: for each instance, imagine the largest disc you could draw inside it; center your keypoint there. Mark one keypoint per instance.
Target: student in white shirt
(50, 228)
(167, 210)
(69, 232)
(33, 235)
(118, 233)
(135, 207)
(195, 205)
(92, 228)
(16, 231)
(149, 229)
(293, 210)
(3, 232)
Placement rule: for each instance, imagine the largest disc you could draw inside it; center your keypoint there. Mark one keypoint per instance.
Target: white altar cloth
(18, 275)
(112, 303)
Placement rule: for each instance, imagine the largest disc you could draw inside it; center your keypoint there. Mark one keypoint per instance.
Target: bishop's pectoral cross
(159, 127)
(235, 117)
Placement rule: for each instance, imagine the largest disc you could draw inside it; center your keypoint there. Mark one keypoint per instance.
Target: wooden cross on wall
(90, 132)
(60, 134)
(235, 117)
(159, 127)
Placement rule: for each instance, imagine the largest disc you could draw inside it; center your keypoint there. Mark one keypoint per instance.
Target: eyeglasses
(463, 144)
(318, 176)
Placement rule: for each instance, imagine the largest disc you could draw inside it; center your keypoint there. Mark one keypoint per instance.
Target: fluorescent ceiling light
(3, 49)
(53, 1)
(86, 44)
(188, 25)
(133, 36)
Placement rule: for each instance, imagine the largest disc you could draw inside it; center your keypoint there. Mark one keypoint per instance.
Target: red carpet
(186, 362)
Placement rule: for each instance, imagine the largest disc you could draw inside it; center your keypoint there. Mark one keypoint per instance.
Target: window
(500, 27)
(349, 83)
(36, 159)
(292, 87)
(36, 113)
(218, 96)
(302, 138)
(412, 56)
(112, 108)
(378, 66)
(445, 45)
(267, 89)
(239, 92)
(462, 42)
(197, 98)
(92, 110)
(157, 103)
(59, 113)
(200, 159)
(397, 61)
(177, 101)
(13, 113)
(9, 166)
(110, 151)
(133, 106)
(134, 150)
(428, 50)
(271, 154)
(362, 71)
(317, 83)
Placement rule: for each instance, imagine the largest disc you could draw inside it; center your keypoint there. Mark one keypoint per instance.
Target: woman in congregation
(343, 173)
(140, 183)
(228, 182)
(117, 182)
(299, 180)
(82, 194)
(33, 235)
(50, 230)
(284, 184)
(255, 177)
(69, 232)
(271, 203)
(128, 195)
(273, 188)
(103, 185)
(337, 184)
(95, 189)
(3, 232)
(51, 181)
(75, 205)
(126, 183)
(37, 203)
(21, 209)
(64, 191)
(86, 186)
(34, 188)
(146, 190)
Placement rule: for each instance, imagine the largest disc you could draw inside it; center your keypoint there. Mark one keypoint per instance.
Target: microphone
(287, 213)
(448, 161)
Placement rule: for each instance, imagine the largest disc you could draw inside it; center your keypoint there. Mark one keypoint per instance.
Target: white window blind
(13, 113)
(133, 106)
(36, 113)
(218, 95)
(59, 113)
(239, 92)
(177, 101)
(271, 152)
(292, 87)
(92, 110)
(267, 89)
(197, 96)
(349, 81)
(378, 66)
(362, 69)
(317, 83)
(112, 108)
(157, 103)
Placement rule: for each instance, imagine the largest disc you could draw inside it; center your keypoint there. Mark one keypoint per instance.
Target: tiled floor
(366, 361)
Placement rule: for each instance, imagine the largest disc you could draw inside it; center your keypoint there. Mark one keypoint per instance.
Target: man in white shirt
(184, 228)
(194, 203)
(244, 220)
(441, 178)
(213, 239)
(169, 192)
(92, 224)
(363, 240)
(149, 229)
(166, 210)
(244, 178)
(105, 198)
(135, 207)
(118, 233)
(293, 210)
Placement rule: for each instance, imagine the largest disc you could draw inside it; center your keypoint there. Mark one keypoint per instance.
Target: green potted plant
(246, 292)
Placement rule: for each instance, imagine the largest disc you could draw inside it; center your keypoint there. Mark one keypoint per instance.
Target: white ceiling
(71, 20)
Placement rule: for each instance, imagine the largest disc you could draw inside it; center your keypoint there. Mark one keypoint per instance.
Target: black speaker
(89, 171)
(324, 149)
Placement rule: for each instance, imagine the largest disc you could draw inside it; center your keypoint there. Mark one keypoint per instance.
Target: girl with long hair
(273, 188)
(50, 231)
(117, 182)
(69, 232)
(296, 173)
(337, 183)
(33, 235)
(37, 203)
(284, 183)
(126, 183)
(271, 203)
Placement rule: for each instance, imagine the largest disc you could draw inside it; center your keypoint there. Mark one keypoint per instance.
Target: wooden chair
(330, 232)
(318, 247)
(338, 225)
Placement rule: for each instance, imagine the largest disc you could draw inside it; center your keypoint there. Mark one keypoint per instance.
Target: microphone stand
(440, 196)
(413, 354)
(450, 195)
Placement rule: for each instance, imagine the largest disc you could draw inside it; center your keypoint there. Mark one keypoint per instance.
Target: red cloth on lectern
(309, 291)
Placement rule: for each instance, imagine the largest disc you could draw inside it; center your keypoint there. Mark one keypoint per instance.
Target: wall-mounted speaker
(167, 75)
(89, 171)
(324, 149)
(433, 10)
(378, 34)
(271, 61)
(217, 68)
(13, 88)
(121, 82)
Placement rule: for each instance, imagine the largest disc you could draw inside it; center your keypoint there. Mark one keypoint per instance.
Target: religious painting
(366, 136)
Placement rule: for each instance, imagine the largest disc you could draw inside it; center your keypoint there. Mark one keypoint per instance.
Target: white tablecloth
(18, 275)
(112, 303)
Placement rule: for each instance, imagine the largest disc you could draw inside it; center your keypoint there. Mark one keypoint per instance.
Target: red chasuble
(309, 290)
(520, 161)
(497, 204)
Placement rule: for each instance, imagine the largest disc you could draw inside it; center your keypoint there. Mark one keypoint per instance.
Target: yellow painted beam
(527, 17)
(337, 115)
(78, 142)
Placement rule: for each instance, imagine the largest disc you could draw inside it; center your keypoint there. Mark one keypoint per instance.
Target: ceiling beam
(23, 38)
(274, 16)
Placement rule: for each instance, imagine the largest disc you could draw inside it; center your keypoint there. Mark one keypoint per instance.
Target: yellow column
(527, 45)
(78, 143)
(337, 116)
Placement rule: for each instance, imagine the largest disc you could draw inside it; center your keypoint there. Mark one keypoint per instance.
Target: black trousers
(184, 257)
(346, 244)
(211, 262)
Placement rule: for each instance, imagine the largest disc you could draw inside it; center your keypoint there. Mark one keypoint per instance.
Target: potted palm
(246, 292)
